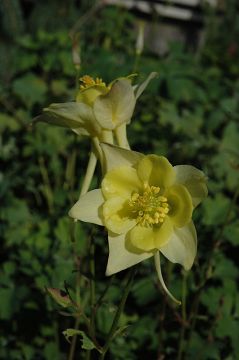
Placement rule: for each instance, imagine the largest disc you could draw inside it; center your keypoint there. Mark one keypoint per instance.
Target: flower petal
(163, 233)
(89, 95)
(116, 156)
(151, 237)
(117, 106)
(156, 170)
(88, 208)
(142, 238)
(120, 181)
(194, 180)
(116, 215)
(140, 88)
(180, 203)
(71, 115)
(182, 246)
(120, 257)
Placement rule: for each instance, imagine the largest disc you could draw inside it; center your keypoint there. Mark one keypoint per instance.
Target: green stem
(136, 63)
(97, 149)
(92, 285)
(89, 173)
(47, 186)
(129, 282)
(184, 316)
(78, 298)
(73, 342)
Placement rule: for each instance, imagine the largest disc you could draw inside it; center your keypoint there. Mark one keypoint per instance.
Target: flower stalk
(89, 173)
(129, 281)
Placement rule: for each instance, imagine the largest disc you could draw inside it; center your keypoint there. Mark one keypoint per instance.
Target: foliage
(189, 114)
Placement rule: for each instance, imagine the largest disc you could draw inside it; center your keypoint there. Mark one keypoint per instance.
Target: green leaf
(215, 209)
(87, 344)
(30, 88)
(60, 297)
(231, 233)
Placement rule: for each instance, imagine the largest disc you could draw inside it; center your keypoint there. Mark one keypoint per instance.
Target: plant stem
(92, 285)
(73, 342)
(183, 325)
(89, 173)
(129, 281)
(78, 299)
(46, 181)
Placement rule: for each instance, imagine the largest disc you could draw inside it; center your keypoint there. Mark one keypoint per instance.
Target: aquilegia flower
(146, 204)
(98, 107)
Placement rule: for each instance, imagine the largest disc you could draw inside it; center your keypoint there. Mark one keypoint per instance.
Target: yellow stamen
(87, 81)
(150, 207)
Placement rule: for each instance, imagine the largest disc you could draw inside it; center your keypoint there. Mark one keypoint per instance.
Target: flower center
(149, 207)
(87, 81)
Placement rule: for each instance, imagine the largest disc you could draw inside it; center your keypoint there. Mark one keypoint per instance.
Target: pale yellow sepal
(115, 156)
(194, 180)
(120, 257)
(182, 247)
(77, 116)
(115, 107)
(89, 207)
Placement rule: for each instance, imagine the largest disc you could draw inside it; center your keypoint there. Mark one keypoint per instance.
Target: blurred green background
(189, 114)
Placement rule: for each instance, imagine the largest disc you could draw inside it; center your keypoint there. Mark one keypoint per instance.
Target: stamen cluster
(150, 207)
(87, 81)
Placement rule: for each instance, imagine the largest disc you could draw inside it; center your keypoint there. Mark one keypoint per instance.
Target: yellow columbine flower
(98, 107)
(146, 205)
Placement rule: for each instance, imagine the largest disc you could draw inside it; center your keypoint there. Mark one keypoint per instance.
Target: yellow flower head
(98, 107)
(146, 204)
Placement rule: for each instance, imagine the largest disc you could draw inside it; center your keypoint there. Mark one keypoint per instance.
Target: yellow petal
(163, 233)
(120, 181)
(117, 106)
(156, 171)
(142, 238)
(88, 96)
(180, 204)
(120, 257)
(151, 237)
(116, 215)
